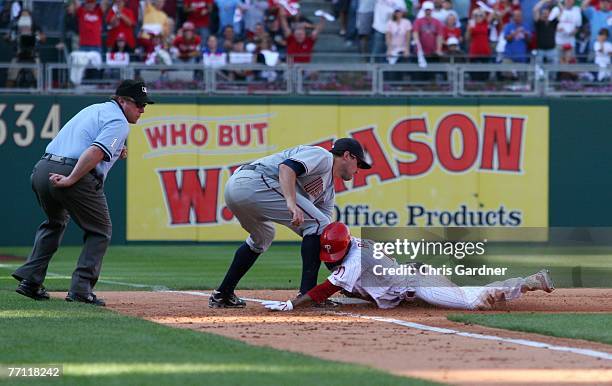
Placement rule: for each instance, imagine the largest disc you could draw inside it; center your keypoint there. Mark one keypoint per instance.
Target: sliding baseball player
(354, 273)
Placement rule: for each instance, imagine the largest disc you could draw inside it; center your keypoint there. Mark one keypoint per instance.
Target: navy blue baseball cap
(135, 89)
(352, 146)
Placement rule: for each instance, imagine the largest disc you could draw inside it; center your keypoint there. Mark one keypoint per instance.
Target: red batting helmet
(335, 240)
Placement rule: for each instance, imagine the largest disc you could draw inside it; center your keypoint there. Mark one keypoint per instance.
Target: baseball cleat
(87, 299)
(219, 300)
(32, 290)
(540, 281)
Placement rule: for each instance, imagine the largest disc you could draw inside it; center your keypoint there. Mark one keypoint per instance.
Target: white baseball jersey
(316, 183)
(356, 275)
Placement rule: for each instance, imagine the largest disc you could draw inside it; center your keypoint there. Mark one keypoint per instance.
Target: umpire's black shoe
(32, 290)
(89, 299)
(219, 300)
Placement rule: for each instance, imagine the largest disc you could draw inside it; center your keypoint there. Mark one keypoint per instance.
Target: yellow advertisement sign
(431, 165)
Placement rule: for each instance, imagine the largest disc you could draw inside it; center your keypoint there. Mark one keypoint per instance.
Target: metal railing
(22, 77)
(250, 79)
(577, 79)
(410, 79)
(437, 79)
(335, 79)
(503, 79)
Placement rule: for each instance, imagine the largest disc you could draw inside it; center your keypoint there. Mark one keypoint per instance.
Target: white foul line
(57, 275)
(448, 331)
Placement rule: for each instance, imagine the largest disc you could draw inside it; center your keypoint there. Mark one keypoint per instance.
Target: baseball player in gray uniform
(294, 188)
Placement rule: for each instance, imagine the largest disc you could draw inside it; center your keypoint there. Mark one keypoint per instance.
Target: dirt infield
(395, 348)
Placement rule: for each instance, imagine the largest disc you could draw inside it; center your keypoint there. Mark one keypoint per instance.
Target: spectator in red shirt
(90, 17)
(428, 33)
(120, 19)
(451, 29)
(299, 44)
(198, 13)
(478, 36)
(187, 44)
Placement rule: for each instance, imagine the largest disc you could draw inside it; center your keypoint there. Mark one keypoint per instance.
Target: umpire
(68, 182)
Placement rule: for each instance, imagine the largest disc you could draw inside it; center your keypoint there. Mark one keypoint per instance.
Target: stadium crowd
(217, 32)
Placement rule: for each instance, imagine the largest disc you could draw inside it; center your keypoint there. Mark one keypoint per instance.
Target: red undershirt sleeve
(323, 291)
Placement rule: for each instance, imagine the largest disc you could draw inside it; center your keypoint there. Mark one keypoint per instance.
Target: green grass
(100, 347)
(176, 267)
(593, 327)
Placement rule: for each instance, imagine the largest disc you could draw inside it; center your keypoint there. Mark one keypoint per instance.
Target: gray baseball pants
(257, 202)
(86, 203)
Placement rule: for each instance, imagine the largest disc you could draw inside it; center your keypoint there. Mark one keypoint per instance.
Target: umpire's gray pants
(86, 203)
(256, 201)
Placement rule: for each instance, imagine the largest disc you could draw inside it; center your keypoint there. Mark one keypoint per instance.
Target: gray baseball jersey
(317, 183)
(256, 199)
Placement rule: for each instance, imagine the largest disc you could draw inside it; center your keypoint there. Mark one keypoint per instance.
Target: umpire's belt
(62, 160)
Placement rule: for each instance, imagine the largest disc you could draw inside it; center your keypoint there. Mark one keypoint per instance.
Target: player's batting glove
(278, 306)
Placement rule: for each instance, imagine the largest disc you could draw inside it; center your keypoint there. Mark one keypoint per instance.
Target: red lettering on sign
(243, 134)
(191, 195)
(495, 140)
(225, 135)
(175, 134)
(469, 141)
(260, 129)
(198, 135)
(240, 134)
(422, 154)
(156, 136)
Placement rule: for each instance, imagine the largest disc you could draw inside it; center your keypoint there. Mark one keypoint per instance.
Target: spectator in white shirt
(398, 38)
(570, 19)
(603, 50)
(383, 10)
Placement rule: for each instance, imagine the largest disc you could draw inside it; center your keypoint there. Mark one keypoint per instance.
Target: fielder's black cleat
(32, 290)
(219, 300)
(88, 299)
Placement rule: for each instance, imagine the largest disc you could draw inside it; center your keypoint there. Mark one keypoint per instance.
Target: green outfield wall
(579, 157)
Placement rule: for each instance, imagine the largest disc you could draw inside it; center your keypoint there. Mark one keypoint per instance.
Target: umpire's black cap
(135, 89)
(352, 146)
